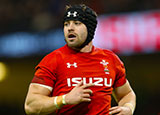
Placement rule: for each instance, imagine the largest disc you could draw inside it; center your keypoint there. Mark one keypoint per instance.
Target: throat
(87, 48)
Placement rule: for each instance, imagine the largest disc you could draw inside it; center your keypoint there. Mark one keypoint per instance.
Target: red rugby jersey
(64, 68)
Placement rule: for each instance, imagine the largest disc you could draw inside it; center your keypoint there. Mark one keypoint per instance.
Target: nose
(71, 27)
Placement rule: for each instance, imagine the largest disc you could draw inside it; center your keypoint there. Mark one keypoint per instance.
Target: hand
(120, 110)
(79, 94)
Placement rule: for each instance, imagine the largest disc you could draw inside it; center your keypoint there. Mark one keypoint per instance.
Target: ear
(67, 7)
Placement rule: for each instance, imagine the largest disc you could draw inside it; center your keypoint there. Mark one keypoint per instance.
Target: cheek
(65, 32)
(84, 33)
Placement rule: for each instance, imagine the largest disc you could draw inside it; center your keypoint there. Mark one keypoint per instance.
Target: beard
(76, 46)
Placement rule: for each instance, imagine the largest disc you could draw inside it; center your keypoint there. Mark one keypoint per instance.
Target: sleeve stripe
(48, 87)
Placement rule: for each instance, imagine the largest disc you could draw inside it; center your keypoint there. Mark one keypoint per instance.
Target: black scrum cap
(85, 15)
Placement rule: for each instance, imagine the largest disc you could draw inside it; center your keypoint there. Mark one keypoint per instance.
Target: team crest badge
(105, 65)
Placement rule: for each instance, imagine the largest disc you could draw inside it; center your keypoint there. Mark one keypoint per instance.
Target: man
(78, 79)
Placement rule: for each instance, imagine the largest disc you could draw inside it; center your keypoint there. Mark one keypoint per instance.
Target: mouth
(71, 36)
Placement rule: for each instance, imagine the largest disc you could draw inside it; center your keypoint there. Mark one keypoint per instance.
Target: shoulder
(105, 51)
(56, 52)
(53, 56)
(109, 53)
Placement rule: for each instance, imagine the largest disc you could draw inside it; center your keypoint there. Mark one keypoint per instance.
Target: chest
(97, 69)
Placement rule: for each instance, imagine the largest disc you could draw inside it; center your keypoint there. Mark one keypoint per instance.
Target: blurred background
(30, 29)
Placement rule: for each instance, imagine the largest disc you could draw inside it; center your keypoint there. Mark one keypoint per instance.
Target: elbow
(30, 110)
(132, 93)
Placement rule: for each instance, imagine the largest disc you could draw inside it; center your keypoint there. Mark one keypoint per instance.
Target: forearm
(128, 100)
(38, 101)
(38, 104)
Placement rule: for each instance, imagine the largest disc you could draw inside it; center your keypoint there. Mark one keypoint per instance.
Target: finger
(80, 84)
(118, 110)
(88, 91)
(85, 95)
(112, 108)
(86, 100)
(87, 85)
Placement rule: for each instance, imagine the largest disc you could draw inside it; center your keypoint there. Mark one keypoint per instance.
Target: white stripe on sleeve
(48, 87)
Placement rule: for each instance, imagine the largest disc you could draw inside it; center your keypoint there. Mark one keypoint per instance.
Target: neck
(87, 48)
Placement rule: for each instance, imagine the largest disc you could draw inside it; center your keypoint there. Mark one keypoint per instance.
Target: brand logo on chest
(98, 81)
(73, 64)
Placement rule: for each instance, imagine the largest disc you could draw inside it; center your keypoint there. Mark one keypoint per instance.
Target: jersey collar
(73, 51)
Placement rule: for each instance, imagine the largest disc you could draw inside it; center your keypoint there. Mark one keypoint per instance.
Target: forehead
(70, 21)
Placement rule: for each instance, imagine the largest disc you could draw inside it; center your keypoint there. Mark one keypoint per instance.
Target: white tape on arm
(63, 100)
(55, 102)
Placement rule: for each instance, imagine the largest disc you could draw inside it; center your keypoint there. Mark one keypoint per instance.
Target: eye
(66, 24)
(77, 23)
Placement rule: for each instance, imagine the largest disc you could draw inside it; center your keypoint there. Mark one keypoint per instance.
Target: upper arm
(120, 92)
(35, 91)
(38, 89)
(37, 98)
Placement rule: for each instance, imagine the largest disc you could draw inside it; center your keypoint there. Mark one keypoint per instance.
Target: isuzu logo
(98, 81)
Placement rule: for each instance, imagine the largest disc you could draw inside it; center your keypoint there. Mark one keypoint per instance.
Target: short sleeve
(45, 71)
(120, 73)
